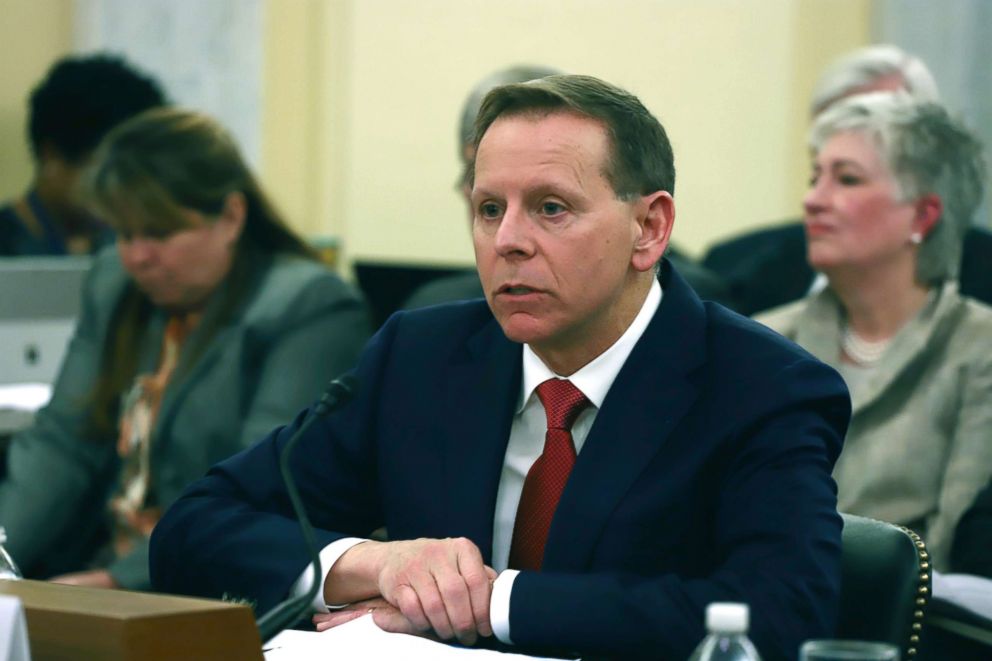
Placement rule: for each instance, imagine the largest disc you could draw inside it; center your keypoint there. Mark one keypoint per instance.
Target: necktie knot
(563, 402)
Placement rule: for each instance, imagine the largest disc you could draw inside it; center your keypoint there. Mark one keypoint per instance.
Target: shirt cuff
(499, 605)
(328, 556)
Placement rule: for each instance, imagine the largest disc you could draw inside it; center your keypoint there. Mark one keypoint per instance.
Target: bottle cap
(727, 617)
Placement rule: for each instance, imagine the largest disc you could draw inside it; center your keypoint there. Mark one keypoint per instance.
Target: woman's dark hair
(145, 175)
(83, 97)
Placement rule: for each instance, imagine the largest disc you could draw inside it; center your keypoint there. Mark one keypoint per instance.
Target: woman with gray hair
(895, 182)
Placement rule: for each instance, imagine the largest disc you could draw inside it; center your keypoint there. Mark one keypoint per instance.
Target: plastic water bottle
(8, 570)
(727, 639)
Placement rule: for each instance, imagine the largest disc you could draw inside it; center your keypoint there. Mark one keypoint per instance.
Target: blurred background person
(767, 267)
(707, 284)
(80, 99)
(895, 183)
(208, 325)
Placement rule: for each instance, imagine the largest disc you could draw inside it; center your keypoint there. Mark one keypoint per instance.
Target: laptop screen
(39, 304)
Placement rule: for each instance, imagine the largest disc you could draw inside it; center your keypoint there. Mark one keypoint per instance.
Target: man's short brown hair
(640, 161)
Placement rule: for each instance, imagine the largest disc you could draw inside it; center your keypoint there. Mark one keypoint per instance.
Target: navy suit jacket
(705, 477)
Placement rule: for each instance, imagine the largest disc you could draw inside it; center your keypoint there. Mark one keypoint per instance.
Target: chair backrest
(885, 584)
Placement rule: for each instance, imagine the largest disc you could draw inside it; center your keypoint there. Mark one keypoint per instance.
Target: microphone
(338, 393)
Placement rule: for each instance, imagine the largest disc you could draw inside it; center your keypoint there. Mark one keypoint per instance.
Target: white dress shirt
(524, 447)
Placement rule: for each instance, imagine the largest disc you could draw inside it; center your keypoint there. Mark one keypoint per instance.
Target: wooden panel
(66, 622)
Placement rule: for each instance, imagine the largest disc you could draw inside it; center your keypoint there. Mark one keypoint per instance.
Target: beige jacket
(919, 447)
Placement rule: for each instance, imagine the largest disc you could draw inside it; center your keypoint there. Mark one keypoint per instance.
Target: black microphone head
(339, 392)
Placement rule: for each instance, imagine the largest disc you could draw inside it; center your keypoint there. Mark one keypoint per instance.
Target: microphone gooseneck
(338, 393)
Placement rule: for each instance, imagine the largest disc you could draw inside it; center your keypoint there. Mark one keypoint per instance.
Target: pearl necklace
(862, 351)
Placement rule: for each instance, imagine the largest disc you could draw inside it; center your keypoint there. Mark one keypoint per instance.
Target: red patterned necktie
(547, 477)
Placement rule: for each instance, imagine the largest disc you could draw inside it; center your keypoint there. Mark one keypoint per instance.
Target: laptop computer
(39, 304)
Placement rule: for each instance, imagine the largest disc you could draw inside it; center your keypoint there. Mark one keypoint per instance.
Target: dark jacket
(299, 326)
(705, 477)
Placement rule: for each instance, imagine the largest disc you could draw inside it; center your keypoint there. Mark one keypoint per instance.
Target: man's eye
(551, 209)
(849, 180)
(489, 210)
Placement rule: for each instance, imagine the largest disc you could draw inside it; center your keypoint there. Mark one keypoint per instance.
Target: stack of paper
(361, 639)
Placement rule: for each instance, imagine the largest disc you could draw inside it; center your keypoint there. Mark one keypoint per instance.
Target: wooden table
(68, 622)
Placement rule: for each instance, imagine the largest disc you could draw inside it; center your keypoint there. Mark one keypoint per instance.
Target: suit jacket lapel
(481, 396)
(195, 359)
(819, 332)
(186, 377)
(651, 394)
(908, 345)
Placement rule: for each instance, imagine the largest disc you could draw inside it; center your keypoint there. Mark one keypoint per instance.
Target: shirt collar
(595, 378)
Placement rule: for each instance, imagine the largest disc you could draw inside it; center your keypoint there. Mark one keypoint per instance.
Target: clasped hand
(420, 586)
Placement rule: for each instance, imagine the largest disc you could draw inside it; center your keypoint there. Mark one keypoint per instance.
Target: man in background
(78, 102)
(766, 268)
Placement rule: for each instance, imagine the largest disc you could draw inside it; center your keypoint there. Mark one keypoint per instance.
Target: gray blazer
(299, 327)
(919, 447)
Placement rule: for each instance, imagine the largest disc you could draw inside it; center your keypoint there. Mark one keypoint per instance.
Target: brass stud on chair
(923, 592)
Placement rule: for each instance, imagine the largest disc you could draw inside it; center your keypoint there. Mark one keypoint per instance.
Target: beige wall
(34, 33)
(301, 123)
(822, 30)
(728, 78)
(362, 99)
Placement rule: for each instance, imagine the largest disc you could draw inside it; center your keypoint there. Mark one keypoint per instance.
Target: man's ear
(656, 216)
(929, 208)
(232, 216)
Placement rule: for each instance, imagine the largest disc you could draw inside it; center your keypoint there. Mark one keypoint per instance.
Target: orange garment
(134, 515)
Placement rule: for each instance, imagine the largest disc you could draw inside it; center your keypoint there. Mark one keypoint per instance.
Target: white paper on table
(973, 593)
(361, 639)
(13, 630)
(25, 396)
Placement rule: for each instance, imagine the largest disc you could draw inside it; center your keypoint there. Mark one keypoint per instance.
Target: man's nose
(514, 234)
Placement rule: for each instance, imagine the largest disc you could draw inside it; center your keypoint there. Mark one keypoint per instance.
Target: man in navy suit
(695, 467)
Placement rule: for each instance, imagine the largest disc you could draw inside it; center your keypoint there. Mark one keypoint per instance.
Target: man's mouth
(516, 290)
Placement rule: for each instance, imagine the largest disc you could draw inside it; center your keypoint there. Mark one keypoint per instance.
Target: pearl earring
(916, 238)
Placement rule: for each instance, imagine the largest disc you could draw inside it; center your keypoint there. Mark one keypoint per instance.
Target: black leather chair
(885, 584)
